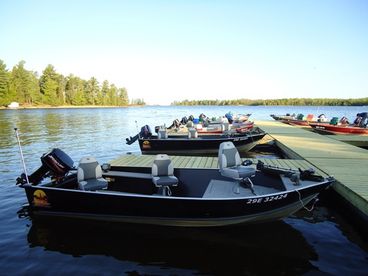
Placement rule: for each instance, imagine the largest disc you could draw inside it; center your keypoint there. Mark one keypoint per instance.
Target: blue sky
(173, 50)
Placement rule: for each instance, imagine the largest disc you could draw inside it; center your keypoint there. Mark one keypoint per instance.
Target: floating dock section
(348, 164)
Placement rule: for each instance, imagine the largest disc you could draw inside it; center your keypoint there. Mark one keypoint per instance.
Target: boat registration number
(266, 199)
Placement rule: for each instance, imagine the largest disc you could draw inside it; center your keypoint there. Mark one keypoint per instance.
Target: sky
(167, 50)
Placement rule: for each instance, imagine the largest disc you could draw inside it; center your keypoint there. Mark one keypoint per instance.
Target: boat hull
(173, 211)
(202, 144)
(339, 129)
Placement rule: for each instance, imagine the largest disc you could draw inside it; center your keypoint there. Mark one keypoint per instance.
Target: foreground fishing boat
(339, 129)
(192, 143)
(235, 193)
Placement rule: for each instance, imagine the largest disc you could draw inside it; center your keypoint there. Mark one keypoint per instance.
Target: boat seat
(89, 175)
(163, 174)
(230, 163)
(310, 117)
(192, 133)
(162, 134)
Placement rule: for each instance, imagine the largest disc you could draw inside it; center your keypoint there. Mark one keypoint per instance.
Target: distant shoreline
(66, 106)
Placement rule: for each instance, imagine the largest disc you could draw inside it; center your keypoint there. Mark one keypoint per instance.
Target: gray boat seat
(230, 162)
(162, 134)
(192, 133)
(89, 175)
(163, 174)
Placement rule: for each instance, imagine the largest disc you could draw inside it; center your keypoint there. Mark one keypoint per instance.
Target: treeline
(291, 101)
(51, 88)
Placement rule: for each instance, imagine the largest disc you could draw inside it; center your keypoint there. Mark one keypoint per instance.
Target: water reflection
(275, 248)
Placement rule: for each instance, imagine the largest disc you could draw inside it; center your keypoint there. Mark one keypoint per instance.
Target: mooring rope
(301, 201)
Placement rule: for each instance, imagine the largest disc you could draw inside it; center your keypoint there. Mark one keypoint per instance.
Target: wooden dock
(206, 162)
(305, 149)
(348, 164)
(355, 140)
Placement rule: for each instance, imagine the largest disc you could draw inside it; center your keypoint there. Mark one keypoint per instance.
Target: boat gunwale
(155, 196)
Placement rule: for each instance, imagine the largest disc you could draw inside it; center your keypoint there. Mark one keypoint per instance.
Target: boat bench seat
(128, 174)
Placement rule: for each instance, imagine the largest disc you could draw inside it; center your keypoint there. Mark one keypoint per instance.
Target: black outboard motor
(145, 132)
(175, 124)
(363, 119)
(184, 120)
(56, 164)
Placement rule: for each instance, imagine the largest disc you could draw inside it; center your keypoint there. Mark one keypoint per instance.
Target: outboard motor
(229, 117)
(56, 164)
(175, 124)
(145, 132)
(184, 120)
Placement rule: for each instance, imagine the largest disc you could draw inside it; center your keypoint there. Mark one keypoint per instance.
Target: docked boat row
(236, 192)
(322, 124)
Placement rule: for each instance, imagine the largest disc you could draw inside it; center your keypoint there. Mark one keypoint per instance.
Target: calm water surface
(308, 242)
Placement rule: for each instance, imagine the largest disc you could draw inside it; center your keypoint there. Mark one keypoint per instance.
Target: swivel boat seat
(192, 133)
(231, 165)
(89, 175)
(163, 174)
(162, 133)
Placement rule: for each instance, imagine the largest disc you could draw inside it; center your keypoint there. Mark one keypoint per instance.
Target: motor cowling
(145, 132)
(55, 163)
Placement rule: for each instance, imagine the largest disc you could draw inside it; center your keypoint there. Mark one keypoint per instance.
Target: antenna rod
(21, 155)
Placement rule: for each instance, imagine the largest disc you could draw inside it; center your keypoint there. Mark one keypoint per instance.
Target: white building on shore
(13, 105)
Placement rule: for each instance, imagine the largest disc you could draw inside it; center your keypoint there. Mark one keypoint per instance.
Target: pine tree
(22, 86)
(4, 84)
(49, 84)
(61, 89)
(105, 92)
(123, 96)
(92, 91)
(74, 90)
(112, 95)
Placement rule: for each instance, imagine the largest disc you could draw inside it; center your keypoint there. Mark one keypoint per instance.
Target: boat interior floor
(230, 189)
(203, 183)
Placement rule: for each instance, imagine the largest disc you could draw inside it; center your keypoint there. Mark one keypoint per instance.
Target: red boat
(292, 120)
(339, 129)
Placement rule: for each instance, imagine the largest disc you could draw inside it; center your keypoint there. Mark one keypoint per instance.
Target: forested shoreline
(53, 89)
(289, 101)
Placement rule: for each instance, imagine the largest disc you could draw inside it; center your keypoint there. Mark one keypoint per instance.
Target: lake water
(321, 241)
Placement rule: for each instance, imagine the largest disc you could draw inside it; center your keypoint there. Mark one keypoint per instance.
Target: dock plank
(202, 162)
